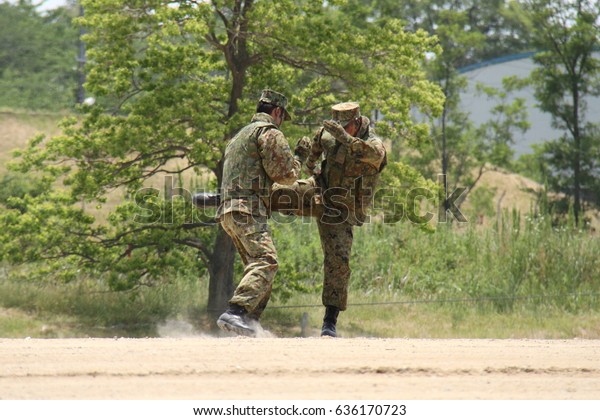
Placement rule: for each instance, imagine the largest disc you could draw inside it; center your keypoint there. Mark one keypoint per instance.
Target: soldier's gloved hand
(337, 131)
(302, 149)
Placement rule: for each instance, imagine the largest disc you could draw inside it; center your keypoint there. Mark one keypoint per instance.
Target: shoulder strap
(261, 124)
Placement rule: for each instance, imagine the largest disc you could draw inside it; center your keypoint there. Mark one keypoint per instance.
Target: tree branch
(206, 254)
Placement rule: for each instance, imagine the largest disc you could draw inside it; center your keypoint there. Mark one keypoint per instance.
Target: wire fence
(481, 299)
(456, 300)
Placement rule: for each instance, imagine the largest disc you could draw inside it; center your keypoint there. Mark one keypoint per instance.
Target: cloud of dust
(176, 328)
(260, 331)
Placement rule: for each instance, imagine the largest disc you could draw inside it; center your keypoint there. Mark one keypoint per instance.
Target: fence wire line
(457, 300)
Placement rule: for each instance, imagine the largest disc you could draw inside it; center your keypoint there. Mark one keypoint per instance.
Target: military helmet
(345, 112)
(277, 99)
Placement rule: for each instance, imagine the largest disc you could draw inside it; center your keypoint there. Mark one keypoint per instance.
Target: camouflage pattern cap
(345, 112)
(278, 99)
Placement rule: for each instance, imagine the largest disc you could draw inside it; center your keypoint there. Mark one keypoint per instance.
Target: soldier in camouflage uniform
(256, 157)
(337, 195)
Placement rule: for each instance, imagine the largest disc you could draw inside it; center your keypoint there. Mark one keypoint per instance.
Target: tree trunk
(445, 152)
(220, 267)
(220, 287)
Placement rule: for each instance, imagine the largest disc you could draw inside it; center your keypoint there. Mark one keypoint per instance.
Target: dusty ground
(309, 368)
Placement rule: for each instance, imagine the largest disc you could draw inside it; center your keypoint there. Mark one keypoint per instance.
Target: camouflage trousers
(303, 198)
(253, 240)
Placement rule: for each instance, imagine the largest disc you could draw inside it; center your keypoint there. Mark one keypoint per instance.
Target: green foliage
(38, 57)
(15, 186)
(512, 262)
(406, 196)
(301, 262)
(528, 261)
(138, 244)
(481, 202)
(532, 165)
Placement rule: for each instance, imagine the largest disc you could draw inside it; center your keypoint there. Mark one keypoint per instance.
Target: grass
(534, 281)
(467, 322)
(63, 311)
(434, 320)
(87, 309)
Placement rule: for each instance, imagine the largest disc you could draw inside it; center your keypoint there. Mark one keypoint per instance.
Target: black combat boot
(236, 319)
(329, 321)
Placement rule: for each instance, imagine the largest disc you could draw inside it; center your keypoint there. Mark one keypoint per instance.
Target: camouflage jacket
(349, 173)
(257, 156)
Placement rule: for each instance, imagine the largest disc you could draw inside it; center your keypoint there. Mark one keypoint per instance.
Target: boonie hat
(278, 99)
(345, 112)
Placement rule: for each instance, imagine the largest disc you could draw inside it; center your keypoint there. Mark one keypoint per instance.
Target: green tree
(37, 57)
(173, 82)
(469, 32)
(568, 33)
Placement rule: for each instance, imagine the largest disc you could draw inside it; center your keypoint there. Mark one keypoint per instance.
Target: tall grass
(87, 308)
(518, 279)
(518, 262)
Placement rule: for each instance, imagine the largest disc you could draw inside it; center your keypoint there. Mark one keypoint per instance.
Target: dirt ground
(298, 368)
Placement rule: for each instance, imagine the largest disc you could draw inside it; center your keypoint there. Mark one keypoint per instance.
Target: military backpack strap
(261, 128)
(321, 175)
(337, 162)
